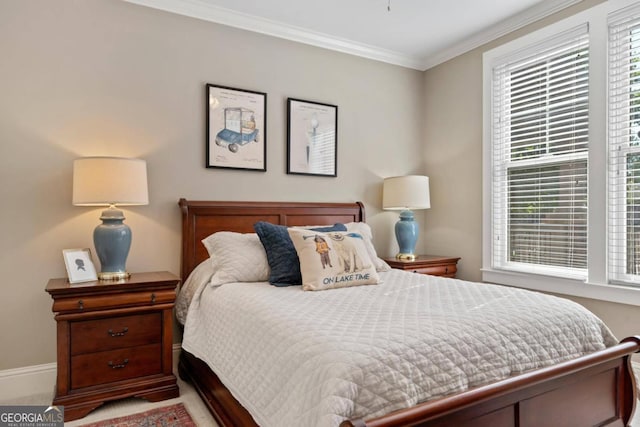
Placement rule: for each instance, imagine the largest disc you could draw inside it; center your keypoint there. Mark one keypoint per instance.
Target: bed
(594, 389)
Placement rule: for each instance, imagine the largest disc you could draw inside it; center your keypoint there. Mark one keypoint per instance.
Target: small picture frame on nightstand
(79, 265)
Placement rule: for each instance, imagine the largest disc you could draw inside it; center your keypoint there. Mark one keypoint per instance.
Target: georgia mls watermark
(31, 416)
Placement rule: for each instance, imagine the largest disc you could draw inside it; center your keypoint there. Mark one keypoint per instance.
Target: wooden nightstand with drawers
(428, 264)
(114, 340)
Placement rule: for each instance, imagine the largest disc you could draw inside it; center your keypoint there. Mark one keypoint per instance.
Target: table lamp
(406, 193)
(110, 181)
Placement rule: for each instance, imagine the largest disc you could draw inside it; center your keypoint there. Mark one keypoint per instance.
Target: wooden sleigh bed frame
(593, 390)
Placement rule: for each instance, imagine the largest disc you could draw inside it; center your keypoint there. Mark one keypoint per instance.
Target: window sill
(598, 291)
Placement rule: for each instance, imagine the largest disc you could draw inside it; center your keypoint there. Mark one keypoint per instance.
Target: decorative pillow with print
(365, 230)
(281, 255)
(332, 260)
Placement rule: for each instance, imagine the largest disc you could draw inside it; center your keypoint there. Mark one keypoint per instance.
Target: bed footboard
(594, 390)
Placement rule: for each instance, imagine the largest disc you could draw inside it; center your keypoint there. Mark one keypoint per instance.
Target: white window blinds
(540, 120)
(624, 146)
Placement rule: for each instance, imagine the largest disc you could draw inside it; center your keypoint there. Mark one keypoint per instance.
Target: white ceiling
(414, 33)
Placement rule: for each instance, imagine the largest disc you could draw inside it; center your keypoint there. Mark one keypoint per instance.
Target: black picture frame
(312, 138)
(236, 128)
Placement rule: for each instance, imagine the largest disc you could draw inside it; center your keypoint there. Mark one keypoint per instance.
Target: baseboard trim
(27, 381)
(38, 379)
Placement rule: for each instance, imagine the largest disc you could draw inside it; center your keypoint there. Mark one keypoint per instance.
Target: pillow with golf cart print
(331, 260)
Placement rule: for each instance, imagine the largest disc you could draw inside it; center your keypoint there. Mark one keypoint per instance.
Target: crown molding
(202, 10)
(529, 16)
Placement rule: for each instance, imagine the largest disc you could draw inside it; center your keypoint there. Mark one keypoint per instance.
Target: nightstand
(427, 264)
(114, 340)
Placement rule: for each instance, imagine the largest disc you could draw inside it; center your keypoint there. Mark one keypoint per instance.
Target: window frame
(619, 150)
(544, 56)
(596, 284)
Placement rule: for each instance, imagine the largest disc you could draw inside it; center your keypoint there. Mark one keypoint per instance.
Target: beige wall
(105, 77)
(453, 159)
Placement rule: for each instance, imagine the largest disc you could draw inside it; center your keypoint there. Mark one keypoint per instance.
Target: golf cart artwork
(236, 128)
(239, 129)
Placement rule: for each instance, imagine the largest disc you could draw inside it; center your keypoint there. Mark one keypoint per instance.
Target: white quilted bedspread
(296, 358)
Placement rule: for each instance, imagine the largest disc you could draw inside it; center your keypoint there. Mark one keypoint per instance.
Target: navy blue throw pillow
(281, 254)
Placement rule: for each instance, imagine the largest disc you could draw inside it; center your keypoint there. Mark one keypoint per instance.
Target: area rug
(167, 416)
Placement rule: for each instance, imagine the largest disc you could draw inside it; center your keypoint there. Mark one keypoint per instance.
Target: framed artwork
(236, 128)
(312, 138)
(79, 265)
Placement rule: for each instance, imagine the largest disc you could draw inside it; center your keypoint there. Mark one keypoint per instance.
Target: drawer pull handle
(153, 298)
(118, 365)
(81, 304)
(446, 269)
(118, 334)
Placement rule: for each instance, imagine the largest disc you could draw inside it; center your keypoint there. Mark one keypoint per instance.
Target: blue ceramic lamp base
(112, 240)
(407, 235)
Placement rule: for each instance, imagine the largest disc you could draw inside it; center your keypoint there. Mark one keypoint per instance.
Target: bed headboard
(203, 218)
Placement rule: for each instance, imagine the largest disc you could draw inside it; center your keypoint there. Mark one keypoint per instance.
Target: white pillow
(236, 257)
(336, 259)
(364, 229)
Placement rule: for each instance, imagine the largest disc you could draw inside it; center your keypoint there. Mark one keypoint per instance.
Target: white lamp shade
(406, 192)
(101, 181)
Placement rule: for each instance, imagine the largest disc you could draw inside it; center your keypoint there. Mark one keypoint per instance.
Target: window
(540, 145)
(624, 146)
(562, 157)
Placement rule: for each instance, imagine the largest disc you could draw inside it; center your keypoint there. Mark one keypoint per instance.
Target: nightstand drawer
(90, 336)
(102, 302)
(441, 270)
(428, 264)
(116, 365)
